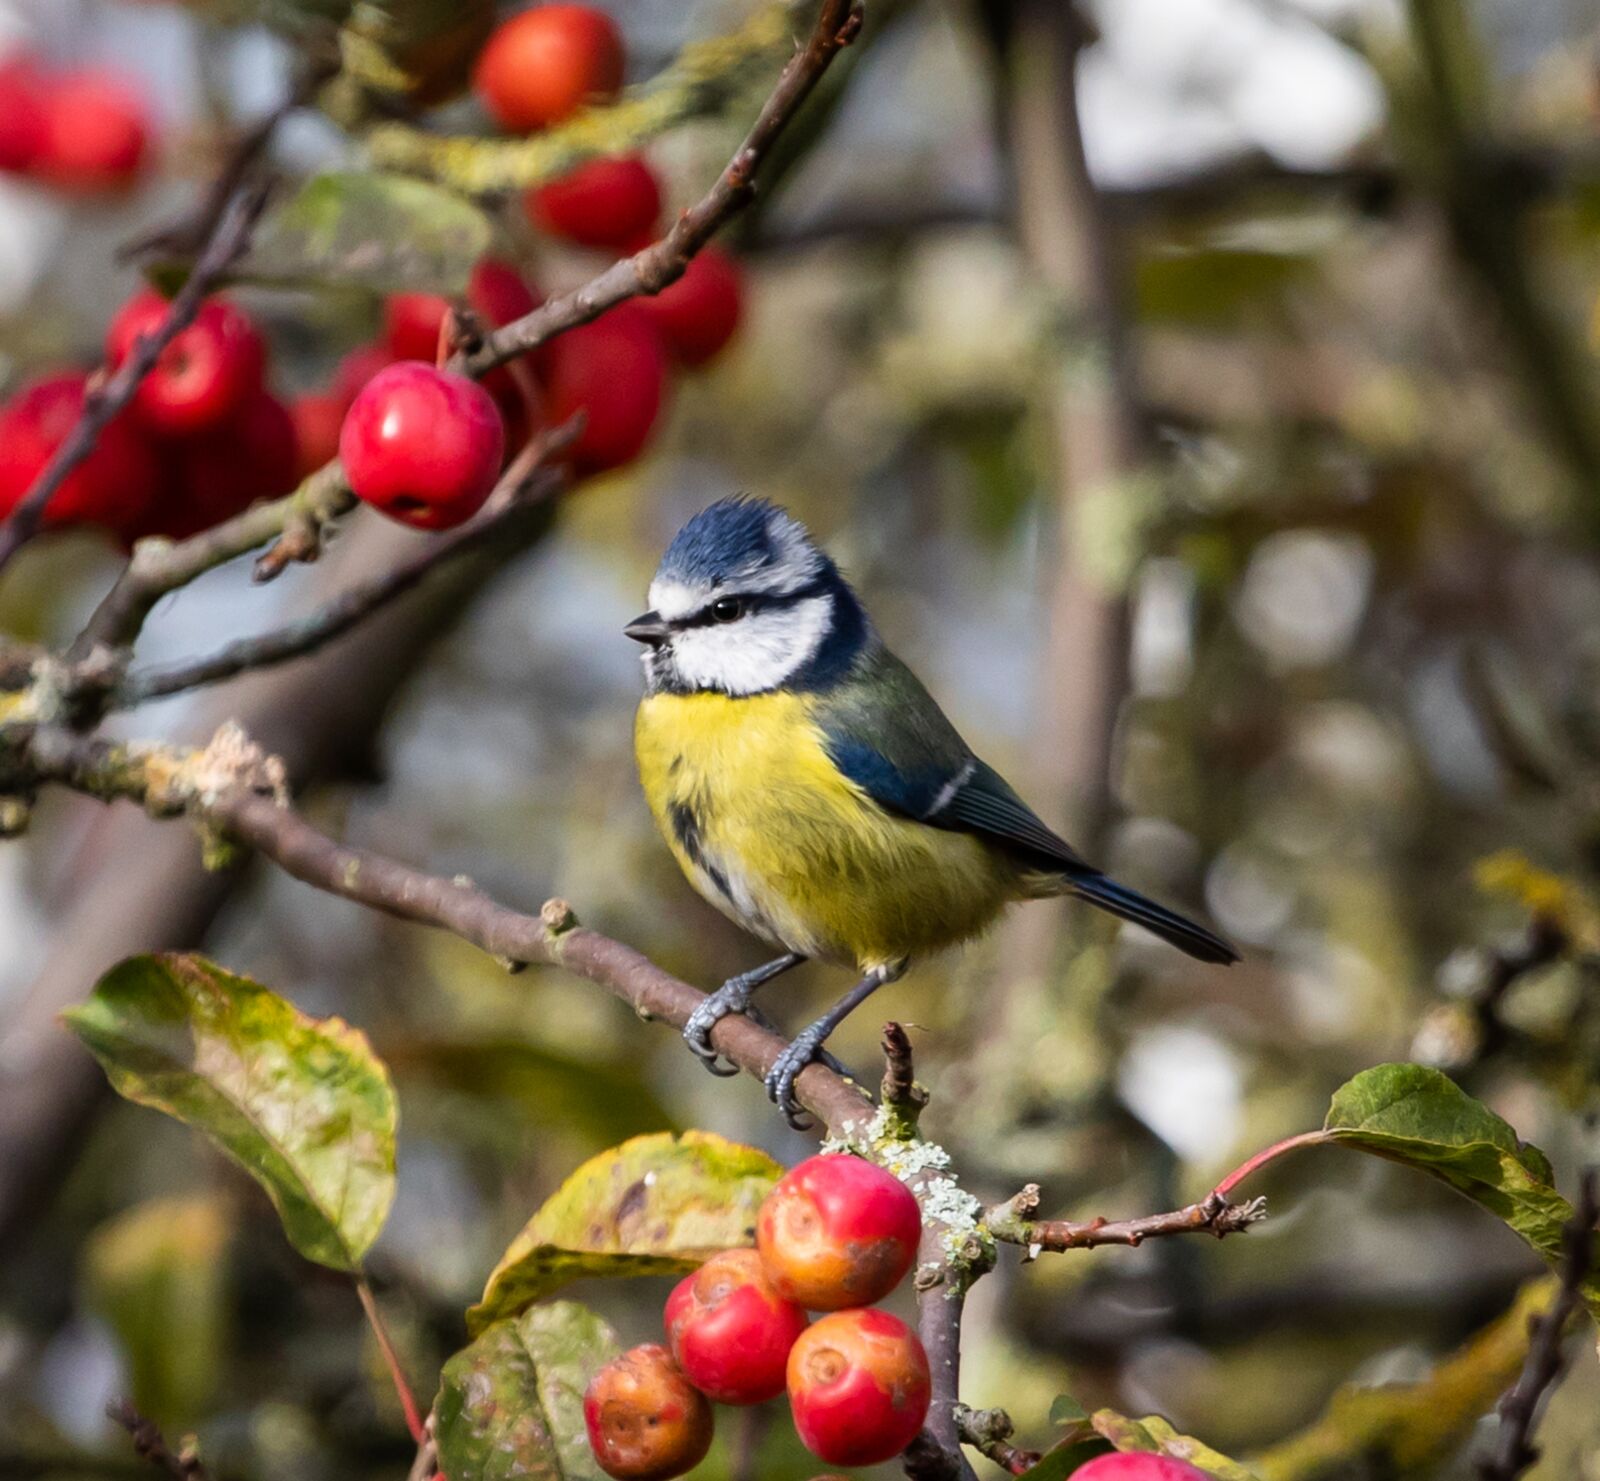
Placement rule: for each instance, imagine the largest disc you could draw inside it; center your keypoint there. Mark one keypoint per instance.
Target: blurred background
(1203, 395)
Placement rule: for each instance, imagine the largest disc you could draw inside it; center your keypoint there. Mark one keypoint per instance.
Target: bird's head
(744, 602)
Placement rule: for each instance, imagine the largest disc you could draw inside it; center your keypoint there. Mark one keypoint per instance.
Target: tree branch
(663, 262)
(1013, 1222)
(106, 401)
(1513, 1451)
(521, 501)
(231, 788)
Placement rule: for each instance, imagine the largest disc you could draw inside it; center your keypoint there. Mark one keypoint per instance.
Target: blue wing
(886, 733)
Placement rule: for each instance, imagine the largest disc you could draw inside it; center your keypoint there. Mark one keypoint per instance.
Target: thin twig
(181, 1465)
(653, 268)
(1014, 1223)
(106, 401)
(520, 500)
(989, 1432)
(391, 1358)
(159, 567)
(1513, 1451)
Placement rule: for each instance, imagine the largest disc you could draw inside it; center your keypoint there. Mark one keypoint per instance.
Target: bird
(814, 792)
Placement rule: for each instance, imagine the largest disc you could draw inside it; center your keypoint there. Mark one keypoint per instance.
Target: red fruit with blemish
(646, 1421)
(422, 445)
(96, 131)
(22, 115)
(543, 65)
(837, 1231)
(212, 368)
(699, 314)
(1138, 1466)
(603, 203)
(614, 370)
(730, 1331)
(858, 1386)
(112, 487)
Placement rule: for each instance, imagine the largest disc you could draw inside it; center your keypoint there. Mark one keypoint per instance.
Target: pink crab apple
(422, 445)
(646, 1421)
(858, 1387)
(730, 1331)
(1138, 1466)
(837, 1231)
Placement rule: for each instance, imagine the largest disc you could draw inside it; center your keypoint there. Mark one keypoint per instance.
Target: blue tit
(811, 788)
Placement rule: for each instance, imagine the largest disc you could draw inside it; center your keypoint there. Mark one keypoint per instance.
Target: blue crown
(737, 536)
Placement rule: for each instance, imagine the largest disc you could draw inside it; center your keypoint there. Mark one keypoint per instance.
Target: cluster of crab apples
(205, 436)
(834, 1236)
(419, 442)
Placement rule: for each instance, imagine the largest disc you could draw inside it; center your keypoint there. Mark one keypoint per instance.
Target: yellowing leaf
(302, 1104)
(1512, 875)
(511, 1404)
(1155, 1436)
(656, 1205)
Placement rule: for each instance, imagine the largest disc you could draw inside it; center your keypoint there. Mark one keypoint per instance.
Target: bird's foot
(732, 997)
(804, 1050)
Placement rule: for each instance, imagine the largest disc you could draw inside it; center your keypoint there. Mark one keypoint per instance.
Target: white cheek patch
(757, 652)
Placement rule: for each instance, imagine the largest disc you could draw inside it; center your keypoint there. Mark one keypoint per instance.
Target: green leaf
(302, 1104)
(1155, 1436)
(387, 233)
(511, 1404)
(1412, 1114)
(656, 1205)
(1067, 1410)
(157, 1275)
(1214, 286)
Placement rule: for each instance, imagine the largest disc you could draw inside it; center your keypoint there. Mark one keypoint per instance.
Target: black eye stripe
(750, 602)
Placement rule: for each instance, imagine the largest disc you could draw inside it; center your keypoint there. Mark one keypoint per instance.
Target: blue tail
(1119, 900)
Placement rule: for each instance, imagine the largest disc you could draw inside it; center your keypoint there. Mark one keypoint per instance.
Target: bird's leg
(807, 1044)
(732, 997)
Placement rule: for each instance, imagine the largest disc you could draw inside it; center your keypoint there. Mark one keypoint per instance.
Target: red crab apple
(22, 117)
(96, 132)
(837, 1231)
(1138, 1466)
(646, 1421)
(318, 417)
(209, 371)
(699, 313)
(222, 471)
(603, 203)
(730, 1331)
(112, 487)
(614, 371)
(422, 445)
(544, 64)
(858, 1386)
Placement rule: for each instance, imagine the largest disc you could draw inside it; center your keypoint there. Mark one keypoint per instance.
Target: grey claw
(697, 1035)
(781, 1078)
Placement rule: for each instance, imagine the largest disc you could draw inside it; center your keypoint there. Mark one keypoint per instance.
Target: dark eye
(727, 609)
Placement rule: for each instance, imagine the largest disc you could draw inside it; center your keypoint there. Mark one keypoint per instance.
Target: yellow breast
(768, 829)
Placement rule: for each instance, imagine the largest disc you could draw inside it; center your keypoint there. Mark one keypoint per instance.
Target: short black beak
(648, 629)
